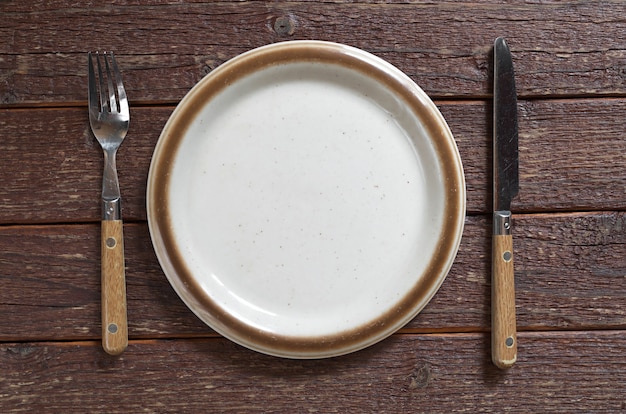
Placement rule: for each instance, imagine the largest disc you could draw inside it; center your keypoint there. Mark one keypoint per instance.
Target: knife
(505, 188)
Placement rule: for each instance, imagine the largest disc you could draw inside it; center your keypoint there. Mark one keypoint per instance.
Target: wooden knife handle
(503, 329)
(114, 323)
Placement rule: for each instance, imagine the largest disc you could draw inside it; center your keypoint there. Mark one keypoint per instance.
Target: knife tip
(500, 42)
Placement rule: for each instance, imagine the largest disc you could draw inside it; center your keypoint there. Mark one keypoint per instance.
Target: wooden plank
(51, 285)
(566, 265)
(556, 372)
(570, 154)
(446, 47)
(568, 276)
(52, 166)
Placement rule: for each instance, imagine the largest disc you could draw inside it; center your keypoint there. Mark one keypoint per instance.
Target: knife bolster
(502, 223)
(111, 209)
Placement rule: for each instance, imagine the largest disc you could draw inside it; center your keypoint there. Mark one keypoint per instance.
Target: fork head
(109, 114)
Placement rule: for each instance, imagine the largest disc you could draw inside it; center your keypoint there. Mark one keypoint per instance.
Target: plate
(306, 199)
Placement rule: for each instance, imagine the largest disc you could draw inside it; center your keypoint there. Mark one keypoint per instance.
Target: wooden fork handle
(114, 322)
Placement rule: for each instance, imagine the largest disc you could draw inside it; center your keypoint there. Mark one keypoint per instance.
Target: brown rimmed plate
(306, 199)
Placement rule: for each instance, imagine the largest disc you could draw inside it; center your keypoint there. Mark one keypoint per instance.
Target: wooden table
(569, 235)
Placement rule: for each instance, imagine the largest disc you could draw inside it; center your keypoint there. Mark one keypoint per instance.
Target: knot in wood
(205, 70)
(9, 98)
(420, 377)
(284, 26)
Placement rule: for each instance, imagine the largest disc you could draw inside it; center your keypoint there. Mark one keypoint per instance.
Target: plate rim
(422, 108)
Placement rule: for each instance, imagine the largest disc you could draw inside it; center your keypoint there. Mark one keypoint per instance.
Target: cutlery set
(109, 118)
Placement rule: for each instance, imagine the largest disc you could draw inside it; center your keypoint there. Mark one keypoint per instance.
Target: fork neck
(111, 197)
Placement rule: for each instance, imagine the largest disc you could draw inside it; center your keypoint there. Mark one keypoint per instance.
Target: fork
(109, 117)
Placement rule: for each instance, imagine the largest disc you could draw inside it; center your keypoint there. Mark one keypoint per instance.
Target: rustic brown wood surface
(562, 372)
(569, 219)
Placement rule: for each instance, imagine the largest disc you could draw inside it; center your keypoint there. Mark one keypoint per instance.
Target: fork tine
(111, 89)
(104, 107)
(94, 104)
(121, 92)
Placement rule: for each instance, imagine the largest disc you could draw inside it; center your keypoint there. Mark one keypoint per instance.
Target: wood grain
(569, 218)
(52, 165)
(557, 372)
(559, 48)
(569, 275)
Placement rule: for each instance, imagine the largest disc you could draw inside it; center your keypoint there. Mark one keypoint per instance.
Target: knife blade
(505, 188)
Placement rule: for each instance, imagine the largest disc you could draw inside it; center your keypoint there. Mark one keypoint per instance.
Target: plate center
(307, 202)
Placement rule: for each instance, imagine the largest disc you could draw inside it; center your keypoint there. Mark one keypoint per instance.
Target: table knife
(505, 188)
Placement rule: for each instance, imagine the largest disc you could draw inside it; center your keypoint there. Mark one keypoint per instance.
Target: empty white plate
(306, 199)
